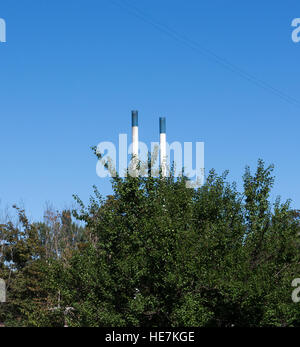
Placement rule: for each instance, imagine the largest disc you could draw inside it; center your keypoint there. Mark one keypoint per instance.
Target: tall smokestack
(163, 146)
(135, 134)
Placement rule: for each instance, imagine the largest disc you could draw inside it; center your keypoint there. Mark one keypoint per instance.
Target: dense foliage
(156, 253)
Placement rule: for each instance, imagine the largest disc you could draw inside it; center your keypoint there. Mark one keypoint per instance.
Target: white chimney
(163, 146)
(135, 134)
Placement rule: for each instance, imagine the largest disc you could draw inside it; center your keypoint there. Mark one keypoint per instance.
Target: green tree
(27, 252)
(156, 253)
(166, 255)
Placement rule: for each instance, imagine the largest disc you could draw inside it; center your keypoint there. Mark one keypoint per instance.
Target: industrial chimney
(135, 134)
(163, 146)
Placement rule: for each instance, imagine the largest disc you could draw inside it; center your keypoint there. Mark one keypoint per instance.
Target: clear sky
(72, 71)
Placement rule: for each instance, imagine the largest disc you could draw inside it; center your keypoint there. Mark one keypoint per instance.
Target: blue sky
(72, 71)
